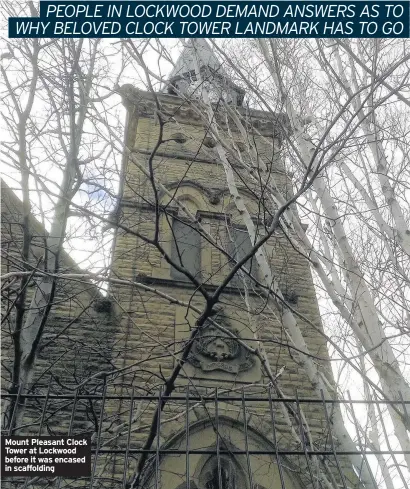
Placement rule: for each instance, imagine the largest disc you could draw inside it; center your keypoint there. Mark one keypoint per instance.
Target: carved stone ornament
(215, 350)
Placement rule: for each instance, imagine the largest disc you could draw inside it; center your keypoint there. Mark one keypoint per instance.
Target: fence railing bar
(14, 413)
(40, 428)
(70, 427)
(43, 413)
(218, 455)
(302, 400)
(188, 483)
(359, 440)
(127, 448)
(157, 451)
(329, 427)
(274, 439)
(403, 403)
(245, 426)
(387, 438)
(177, 451)
(98, 435)
(303, 437)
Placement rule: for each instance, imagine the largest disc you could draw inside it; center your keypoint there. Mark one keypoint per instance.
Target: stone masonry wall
(77, 338)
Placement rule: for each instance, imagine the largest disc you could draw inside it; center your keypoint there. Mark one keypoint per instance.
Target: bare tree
(358, 188)
(345, 140)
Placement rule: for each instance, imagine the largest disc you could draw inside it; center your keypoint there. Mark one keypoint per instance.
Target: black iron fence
(237, 439)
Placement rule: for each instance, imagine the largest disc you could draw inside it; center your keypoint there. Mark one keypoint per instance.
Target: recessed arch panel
(192, 196)
(237, 469)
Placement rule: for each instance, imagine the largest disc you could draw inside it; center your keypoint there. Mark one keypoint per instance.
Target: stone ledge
(268, 124)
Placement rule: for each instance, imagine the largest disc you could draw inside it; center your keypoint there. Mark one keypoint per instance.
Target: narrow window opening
(240, 246)
(223, 475)
(185, 250)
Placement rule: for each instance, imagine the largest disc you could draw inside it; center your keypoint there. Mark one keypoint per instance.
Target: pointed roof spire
(198, 55)
(196, 52)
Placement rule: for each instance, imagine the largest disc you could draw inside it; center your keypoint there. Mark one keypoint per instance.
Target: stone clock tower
(180, 234)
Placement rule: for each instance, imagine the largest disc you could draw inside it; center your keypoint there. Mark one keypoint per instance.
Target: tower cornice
(144, 104)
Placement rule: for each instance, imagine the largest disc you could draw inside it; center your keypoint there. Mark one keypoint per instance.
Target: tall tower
(180, 235)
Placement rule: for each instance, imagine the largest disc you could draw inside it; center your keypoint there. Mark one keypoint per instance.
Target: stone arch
(192, 195)
(206, 198)
(214, 196)
(265, 472)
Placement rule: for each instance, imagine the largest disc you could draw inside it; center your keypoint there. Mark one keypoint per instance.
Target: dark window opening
(172, 90)
(185, 250)
(227, 479)
(240, 246)
(190, 75)
(222, 473)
